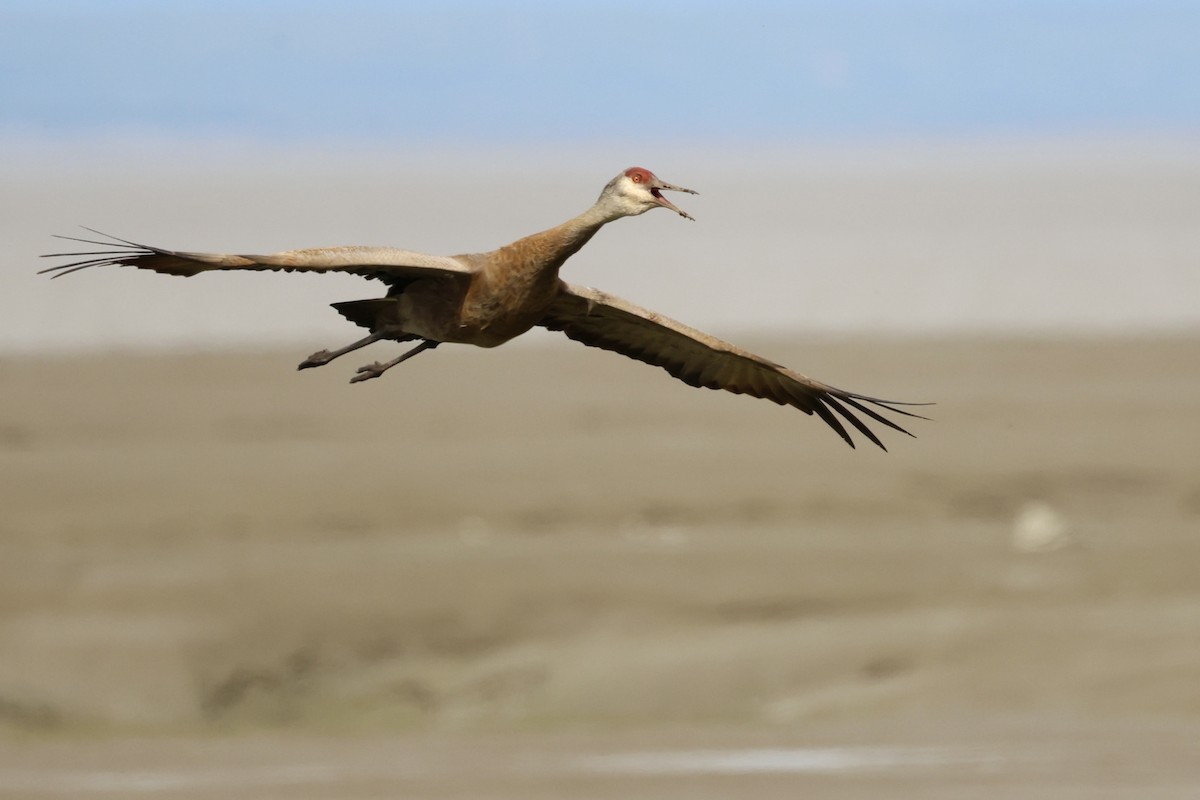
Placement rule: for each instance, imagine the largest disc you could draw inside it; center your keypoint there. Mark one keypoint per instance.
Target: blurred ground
(489, 572)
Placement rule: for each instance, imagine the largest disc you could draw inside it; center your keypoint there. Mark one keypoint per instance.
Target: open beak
(657, 189)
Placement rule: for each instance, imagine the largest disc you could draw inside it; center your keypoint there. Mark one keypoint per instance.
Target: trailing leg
(376, 369)
(323, 357)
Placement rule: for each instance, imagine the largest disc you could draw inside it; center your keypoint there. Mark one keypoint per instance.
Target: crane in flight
(486, 299)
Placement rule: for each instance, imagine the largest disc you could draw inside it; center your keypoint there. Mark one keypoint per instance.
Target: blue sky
(478, 73)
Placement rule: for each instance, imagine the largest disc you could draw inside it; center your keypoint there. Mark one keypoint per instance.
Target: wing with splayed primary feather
(598, 319)
(389, 264)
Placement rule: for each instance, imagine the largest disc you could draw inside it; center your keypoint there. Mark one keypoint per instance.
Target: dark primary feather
(601, 320)
(126, 253)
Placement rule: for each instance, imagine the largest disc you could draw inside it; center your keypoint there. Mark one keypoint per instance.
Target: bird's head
(637, 190)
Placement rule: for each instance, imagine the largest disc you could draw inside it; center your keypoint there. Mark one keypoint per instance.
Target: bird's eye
(636, 178)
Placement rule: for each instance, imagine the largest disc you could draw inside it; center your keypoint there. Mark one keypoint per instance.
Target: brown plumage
(486, 299)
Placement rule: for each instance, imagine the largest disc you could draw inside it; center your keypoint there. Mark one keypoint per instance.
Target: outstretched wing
(389, 264)
(601, 320)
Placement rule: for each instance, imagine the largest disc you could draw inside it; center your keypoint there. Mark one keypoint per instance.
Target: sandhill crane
(486, 299)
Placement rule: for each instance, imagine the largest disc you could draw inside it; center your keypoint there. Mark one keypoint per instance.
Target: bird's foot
(317, 359)
(372, 370)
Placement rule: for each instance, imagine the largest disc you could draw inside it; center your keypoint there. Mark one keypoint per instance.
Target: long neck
(546, 251)
(578, 231)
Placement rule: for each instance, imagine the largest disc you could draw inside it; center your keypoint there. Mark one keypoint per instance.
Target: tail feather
(371, 314)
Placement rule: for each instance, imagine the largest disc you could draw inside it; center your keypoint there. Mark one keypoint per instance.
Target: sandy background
(546, 571)
(475, 577)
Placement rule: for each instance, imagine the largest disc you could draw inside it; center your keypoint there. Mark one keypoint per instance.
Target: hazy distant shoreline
(1049, 237)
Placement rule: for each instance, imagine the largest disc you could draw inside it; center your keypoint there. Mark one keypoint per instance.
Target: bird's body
(486, 299)
(508, 291)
